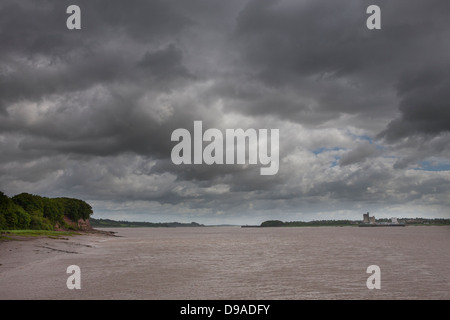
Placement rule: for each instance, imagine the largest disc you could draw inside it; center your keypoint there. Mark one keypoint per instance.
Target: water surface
(241, 263)
(274, 263)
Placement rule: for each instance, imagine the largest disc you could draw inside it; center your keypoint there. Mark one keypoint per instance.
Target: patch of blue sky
(368, 139)
(337, 158)
(335, 162)
(433, 165)
(324, 149)
(365, 137)
(360, 136)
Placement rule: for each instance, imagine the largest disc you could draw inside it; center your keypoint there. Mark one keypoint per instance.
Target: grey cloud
(286, 38)
(164, 65)
(323, 52)
(31, 82)
(360, 154)
(291, 38)
(417, 148)
(40, 56)
(424, 104)
(41, 27)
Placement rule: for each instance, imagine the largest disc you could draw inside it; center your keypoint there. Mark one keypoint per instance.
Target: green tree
(272, 223)
(23, 218)
(53, 210)
(75, 209)
(12, 216)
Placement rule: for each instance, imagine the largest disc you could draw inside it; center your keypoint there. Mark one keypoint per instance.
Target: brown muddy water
(233, 263)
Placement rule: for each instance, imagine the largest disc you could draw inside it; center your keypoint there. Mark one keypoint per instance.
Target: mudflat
(34, 267)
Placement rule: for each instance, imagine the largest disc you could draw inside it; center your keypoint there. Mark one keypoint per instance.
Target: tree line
(108, 223)
(342, 223)
(278, 223)
(27, 211)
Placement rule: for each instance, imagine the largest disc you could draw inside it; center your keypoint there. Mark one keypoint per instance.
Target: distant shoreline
(356, 223)
(108, 223)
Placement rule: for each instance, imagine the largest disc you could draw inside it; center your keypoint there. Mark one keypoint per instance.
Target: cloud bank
(364, 115)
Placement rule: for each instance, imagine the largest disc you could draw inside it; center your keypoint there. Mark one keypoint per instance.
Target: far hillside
(107, 223)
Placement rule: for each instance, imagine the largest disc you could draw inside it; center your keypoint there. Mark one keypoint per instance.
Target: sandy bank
(35, 267)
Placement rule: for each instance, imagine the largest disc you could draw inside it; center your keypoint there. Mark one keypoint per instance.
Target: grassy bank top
(20, 234)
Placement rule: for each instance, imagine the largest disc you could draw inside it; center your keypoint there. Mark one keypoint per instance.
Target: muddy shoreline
(37, 257)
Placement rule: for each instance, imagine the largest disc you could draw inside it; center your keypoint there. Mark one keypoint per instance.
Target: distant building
(368, 219)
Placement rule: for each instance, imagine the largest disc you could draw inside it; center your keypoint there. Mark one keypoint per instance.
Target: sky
(363, 115)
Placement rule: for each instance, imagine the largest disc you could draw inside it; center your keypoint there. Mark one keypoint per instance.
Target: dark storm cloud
(285, 39)
(90, 113)
(164, 63)
(424, 104)
(29, 81)
(93, 83)
(33, 35)
(36, 26)
(300, 38)
(323, 51)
